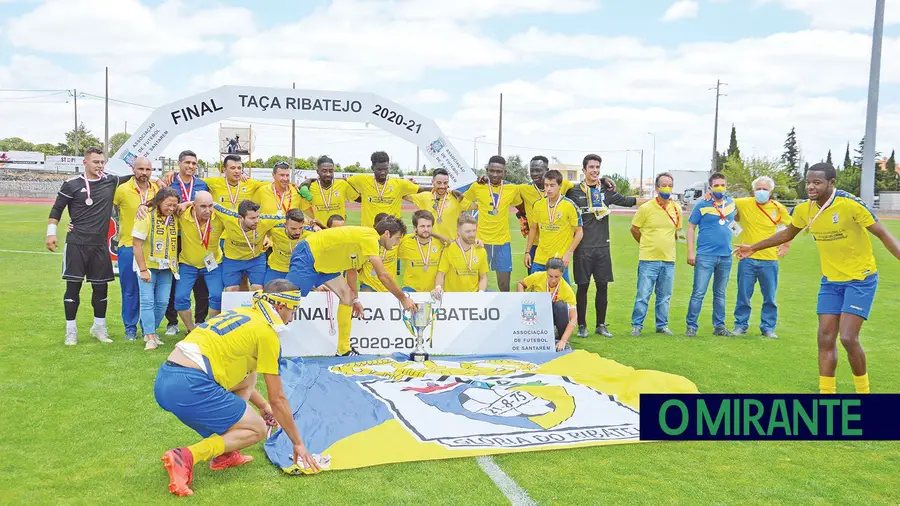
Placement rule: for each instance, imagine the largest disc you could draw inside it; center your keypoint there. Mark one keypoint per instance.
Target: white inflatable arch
(169, 121)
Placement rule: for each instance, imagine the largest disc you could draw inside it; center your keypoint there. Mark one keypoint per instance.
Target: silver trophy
(420, 320)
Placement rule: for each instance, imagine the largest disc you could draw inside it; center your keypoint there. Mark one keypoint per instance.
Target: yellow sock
(827, 385)
(861, 383)
(344, 321)
(209, 448)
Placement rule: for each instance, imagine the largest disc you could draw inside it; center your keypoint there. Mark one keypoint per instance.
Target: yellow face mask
(664, 192)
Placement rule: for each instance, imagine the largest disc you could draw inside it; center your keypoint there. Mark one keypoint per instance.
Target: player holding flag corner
(838, 222)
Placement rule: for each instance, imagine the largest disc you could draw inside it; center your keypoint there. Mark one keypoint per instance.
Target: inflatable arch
(169, 121)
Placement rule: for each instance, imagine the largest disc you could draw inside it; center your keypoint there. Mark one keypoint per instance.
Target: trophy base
(418, 356)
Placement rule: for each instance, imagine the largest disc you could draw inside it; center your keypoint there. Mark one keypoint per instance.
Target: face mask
(665, 192)
(718, 191)
(762, 196)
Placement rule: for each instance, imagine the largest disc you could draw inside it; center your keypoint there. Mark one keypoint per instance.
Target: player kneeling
(565, 312)
(209, 380)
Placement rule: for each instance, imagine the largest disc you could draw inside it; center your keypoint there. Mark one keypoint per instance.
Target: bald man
(200, 255)
(127, 199)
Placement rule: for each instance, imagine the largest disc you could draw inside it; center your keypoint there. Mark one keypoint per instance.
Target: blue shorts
(407, 289)
(365, 288)
(536, 267)
(188, 277)
(232, 270)
(854, 297)
(533, 254)
(273, 274)
(500, 257)
(197, 400)
(303, 272)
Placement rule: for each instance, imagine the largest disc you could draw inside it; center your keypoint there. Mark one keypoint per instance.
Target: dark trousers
(560, 317)
(201, 300)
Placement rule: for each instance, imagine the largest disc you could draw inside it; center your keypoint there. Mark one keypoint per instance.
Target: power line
(36, 96)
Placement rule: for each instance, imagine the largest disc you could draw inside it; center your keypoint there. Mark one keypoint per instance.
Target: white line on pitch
(516, 495)
(28, 252)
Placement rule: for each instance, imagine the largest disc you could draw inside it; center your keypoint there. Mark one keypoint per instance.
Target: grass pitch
(80, 425)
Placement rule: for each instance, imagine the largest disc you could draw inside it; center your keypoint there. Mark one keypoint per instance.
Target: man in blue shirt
(712, 258)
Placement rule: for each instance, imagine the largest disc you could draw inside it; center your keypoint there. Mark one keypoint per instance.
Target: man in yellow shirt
(127, 199)
(368, 276)
(760, 217)
(442, 202)
(200, 258)
(380, 195)
(562, 299)
(656, 227)
(209, 381)
(464, 265)
(559, 222)
(420, 254)
(322, 257)
(244, 251)
(494, 200)
(329, 195)
(280, 196)
(531, 193)
(335, 220)
(285, 237)
(233, 188)
(838, 221)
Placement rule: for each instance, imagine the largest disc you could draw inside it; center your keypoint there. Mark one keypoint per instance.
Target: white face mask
(762, 196)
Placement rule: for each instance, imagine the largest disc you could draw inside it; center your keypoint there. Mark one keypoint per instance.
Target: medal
(722, 221)
(826, 206)
(247, 240)
(330, 196)
(186, 192)
(331, 331)
(204, 235)
(381, 191)
(439, 207)
(281, 208)
(471, 256)
(426, 256)
(87, 188)
(550, 213)
(141, 194)
(237, 193)
(88, 201)
(496, 202)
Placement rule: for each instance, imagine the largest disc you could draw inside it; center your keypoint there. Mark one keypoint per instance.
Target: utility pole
(642, 173)
(106, 119)
(417, 161)
(500, 130)
(293, 142)
(715, 152)
(867, 183)
(75, 94)
(654, 153)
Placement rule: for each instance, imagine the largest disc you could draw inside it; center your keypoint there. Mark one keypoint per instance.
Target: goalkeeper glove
(305, 193)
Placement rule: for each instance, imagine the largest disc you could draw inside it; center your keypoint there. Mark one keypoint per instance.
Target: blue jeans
(751, 270)
(707, 267)
(155, 298)
(188, 275)
(658, 275)
(128, 281)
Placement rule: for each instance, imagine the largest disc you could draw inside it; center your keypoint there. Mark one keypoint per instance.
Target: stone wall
(26, 184)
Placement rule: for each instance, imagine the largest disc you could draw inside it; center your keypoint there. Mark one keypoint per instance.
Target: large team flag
(369, 411)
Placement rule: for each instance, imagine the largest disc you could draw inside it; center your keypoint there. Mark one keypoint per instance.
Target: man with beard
(285, 237)
(380, 195)
(443, 203)
(592, 257)
(329, 196)
(464, 264)
(420, 254)
(244, 251)
(200, 257)
(838, 222)
(127, 199)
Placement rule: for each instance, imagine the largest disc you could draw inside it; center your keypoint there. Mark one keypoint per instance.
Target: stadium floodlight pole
(715, 151)
(867, 183)
(475, 152)
(75, 95)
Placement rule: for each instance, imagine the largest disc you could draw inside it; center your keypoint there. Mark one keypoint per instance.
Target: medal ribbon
(281, 199)
(425, 257)
(330, 195)
(774, 222)
(439, 206)
(186, 192)
(247, 239)
(141, 194)
(719, 210)
(826, 206)
(676, 220)
(87, 187)
(237, 192)
(496, 202)
(204, 236)
(471, 256)
(553, 294)
(381, 191)
(551, 213)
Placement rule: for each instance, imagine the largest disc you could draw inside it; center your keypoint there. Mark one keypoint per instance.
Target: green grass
(80, 425)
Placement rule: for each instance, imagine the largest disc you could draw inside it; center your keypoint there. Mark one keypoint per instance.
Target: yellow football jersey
(326, 203)
(493, 210)
(343, 248)
(241, 244)
(128, 198)
(463, 269)
(197, 242)
(419, 262)
(559, 232)
(381, 198)
(537, 282)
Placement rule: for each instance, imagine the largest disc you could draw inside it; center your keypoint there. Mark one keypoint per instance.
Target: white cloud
(682, 9)
(427, 96)
(537, 42)
(468, 10)
(839, 14)
(126, 32)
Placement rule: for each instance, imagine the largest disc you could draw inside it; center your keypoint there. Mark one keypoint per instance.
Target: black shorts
(592, 262)
(91, 261)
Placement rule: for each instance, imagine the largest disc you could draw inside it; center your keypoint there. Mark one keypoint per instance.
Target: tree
(790, 159)
(395, 169)
(847, 161)
(886, 177)
(828, 158)
(849, 179)
(15, 144)
(516, 171)
(85, 140)
(742, 172)
(801, 189)
(623, 186)
(733, 145)
(116, 141)
(277, 158)
(48, 149)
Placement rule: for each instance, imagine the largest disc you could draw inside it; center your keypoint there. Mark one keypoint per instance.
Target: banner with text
(464, 324)
(169, 121)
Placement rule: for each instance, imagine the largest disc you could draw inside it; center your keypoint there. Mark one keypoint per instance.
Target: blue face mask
(762, 196)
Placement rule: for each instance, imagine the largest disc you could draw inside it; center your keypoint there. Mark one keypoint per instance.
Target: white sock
(99, 322)
(71, 326)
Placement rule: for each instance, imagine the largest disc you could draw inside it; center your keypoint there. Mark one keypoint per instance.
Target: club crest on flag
(529, 312)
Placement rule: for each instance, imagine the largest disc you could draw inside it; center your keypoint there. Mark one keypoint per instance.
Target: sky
(612, 77)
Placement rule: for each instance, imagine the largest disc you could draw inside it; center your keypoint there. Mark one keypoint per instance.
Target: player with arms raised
(838, 222)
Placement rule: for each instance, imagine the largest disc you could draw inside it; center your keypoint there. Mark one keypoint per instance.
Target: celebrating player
(279, 197)
(443, 203)
(209, 381)
(89, 198)
(244, 251)
(285, 237)
(329, 195)
(321, 258)
(562, 298)
(838, 222)
(420, 254)
(200, 257)
(531, 193)
(464, 264)
(559, 222)
(368, 275)
(494, 200)
(380, 195)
